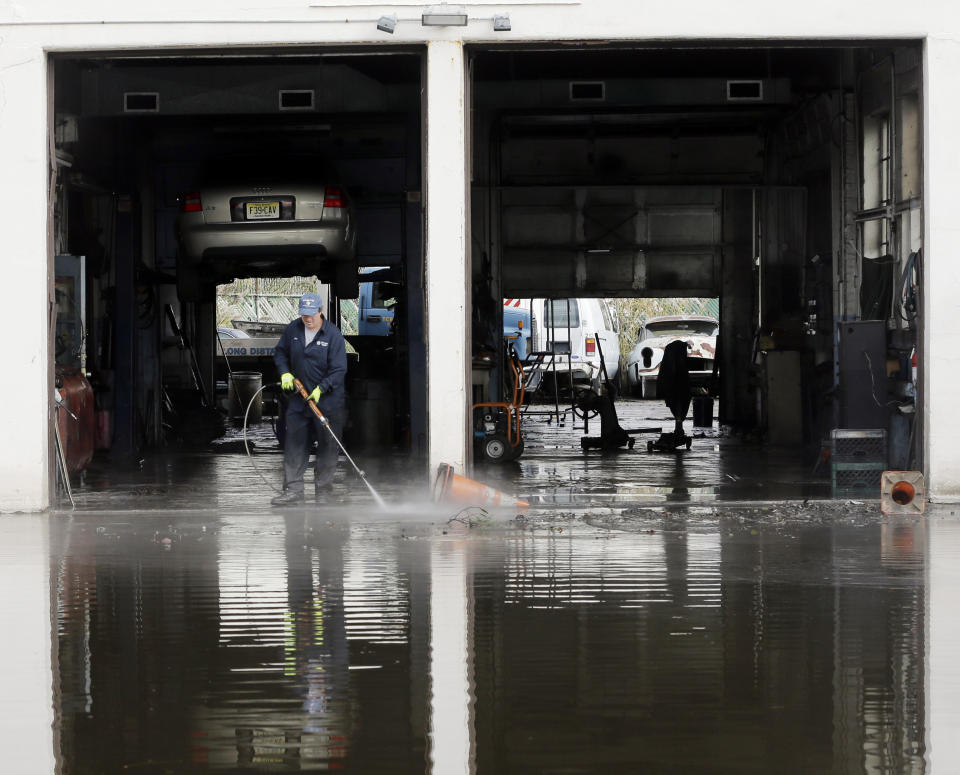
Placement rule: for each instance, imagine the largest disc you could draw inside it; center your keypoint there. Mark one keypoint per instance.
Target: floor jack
(612, 436)
(670, 442)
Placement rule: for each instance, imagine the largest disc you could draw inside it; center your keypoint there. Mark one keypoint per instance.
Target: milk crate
(857, 461)
(858, 479)
(858, 446)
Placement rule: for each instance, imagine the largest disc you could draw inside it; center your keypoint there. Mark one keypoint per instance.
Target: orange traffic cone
(451, 486)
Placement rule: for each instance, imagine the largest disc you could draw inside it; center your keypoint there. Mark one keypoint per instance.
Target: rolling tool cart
(496, 424)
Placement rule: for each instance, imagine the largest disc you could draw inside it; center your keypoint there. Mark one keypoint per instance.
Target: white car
(643, 364)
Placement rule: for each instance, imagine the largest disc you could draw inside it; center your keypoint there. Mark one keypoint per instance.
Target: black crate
(858, 446)
(861, 479)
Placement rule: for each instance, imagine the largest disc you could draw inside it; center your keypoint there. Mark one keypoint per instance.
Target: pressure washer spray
(324, 422)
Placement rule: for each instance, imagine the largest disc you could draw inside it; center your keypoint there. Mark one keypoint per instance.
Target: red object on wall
(76, 435)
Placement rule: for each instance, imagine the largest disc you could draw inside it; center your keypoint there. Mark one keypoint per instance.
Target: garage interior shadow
(137, 137)
(622, 172)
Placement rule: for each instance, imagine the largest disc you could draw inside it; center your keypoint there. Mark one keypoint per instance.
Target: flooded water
(654, 641)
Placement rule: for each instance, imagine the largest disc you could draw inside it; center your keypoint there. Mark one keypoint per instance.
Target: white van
(576, 330)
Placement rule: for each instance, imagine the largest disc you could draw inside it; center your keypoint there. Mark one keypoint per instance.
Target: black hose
(246, 446)
(326, 424)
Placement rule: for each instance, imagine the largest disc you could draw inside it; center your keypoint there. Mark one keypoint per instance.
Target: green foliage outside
(349, 316)
(275, 300)
(264, 300)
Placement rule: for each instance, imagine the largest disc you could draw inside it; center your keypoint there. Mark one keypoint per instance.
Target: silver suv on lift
(266, 216)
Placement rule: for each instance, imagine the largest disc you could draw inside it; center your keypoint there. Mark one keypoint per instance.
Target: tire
(496, 449)
(517, 451)
(581, 395)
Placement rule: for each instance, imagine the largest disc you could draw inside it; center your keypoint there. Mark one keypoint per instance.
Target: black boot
(322, 493)
(287, 498)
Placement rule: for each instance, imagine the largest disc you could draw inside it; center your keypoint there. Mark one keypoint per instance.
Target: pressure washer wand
(326, 424)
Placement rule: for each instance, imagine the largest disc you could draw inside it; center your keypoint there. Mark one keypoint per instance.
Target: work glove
(286, 381)
(315, 395)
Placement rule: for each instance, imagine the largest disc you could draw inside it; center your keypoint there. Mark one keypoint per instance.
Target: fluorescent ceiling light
(443, 16)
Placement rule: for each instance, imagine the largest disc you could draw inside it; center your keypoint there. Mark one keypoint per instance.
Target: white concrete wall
(941, 266)
(27, 29)
(25, 387)
(448, 334)
(352, 20)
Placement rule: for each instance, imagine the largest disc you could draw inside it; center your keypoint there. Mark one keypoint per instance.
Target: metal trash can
(703, 412)
(242, 387)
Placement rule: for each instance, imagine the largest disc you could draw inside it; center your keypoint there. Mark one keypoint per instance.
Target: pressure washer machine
(497, 435)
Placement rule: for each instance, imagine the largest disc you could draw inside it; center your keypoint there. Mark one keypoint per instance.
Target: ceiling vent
(296, 99)
(141, 102)
(745, 91)
(587, 91)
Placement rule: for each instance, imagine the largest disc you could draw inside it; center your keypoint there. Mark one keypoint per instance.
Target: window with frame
(876, 186)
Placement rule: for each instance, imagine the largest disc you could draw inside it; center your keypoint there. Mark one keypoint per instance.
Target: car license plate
(262, 210)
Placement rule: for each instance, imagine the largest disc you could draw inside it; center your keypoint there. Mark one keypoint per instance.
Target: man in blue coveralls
(311, 350)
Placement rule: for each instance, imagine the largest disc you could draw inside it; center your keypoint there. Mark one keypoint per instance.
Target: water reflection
(282, 697)
(289, 643)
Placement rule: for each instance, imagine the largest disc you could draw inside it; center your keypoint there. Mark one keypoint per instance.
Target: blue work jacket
(323, 362)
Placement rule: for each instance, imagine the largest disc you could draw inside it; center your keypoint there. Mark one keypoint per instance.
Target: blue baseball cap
(309, 304)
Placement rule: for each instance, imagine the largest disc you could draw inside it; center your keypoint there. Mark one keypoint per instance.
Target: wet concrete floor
(554, 472)
(622, 626)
